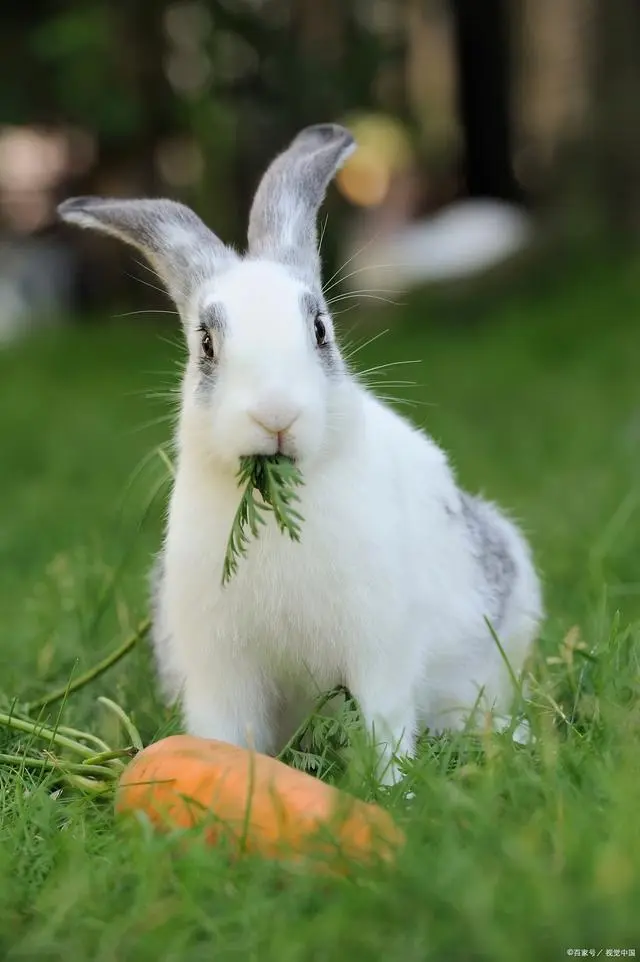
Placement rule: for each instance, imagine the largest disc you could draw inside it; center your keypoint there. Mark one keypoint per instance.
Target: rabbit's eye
(207, 344)
(320, 331)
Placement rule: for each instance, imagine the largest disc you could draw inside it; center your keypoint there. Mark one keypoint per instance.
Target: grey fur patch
(179, 246)
(492, 553)
(282, 222)
(449, 510)
(311, 304)
(329, 355)
(207, 382)
(214, 317)
(208, 368)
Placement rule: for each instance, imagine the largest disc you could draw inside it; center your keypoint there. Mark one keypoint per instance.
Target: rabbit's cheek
(305, 440)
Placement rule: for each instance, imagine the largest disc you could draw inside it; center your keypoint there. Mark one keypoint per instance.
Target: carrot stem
(98, 743)
(40, 731)
(125, 721)
(59, 693)
(56, 765)
(111, 756)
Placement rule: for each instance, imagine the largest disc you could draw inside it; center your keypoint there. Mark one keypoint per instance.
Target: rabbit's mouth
(282, 447)
(287, 449)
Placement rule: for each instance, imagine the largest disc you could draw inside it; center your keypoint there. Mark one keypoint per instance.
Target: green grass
(513, 854)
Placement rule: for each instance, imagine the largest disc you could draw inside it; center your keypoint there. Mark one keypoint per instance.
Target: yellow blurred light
(383, 149)
(364, 179)
(384, 134)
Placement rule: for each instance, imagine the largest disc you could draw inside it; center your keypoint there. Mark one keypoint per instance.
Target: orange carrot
(256, 801)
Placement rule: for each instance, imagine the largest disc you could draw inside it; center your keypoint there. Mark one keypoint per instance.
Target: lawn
(514, 853)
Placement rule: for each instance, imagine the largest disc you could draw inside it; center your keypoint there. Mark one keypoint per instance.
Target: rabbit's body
(397, 570)
(386, 593)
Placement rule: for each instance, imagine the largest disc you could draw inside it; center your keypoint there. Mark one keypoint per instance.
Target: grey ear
(172, 237)
(282, 223)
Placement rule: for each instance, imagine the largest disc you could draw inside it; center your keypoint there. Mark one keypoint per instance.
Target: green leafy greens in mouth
(275, 479)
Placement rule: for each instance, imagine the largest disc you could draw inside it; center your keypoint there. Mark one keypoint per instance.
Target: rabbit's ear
(282, 223)
(172, 237)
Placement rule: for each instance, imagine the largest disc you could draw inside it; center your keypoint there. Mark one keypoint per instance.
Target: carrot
(257, 802)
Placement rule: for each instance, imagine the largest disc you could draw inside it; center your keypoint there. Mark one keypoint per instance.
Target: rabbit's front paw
(390, 719)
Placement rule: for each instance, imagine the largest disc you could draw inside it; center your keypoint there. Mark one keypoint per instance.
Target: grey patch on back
(282, 222)
(491, 551)
(160, 641)
(449, 509)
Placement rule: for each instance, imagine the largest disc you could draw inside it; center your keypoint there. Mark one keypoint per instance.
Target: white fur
(382, 594)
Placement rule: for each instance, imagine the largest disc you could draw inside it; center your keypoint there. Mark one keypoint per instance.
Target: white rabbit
(398, 570)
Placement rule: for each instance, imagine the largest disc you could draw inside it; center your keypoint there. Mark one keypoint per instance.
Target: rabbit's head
(264, 371)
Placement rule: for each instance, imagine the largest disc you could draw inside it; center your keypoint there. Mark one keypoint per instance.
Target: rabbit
(399, 576)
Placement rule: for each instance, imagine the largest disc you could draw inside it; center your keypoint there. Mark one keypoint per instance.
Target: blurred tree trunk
(316, 62)
(617, 114)
(143, 48)
(483, 39)
(126, 163)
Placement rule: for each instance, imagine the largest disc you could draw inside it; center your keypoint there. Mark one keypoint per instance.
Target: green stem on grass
(89, 785)
(92, 673)
(111, 756)
(88, 737)
(512, 675)
(56, 765)
(40, 731)
(126, 722)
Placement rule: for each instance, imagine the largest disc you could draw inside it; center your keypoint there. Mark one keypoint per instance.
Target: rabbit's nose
(275, 424)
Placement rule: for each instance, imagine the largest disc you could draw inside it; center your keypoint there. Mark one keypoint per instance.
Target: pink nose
(278, 427)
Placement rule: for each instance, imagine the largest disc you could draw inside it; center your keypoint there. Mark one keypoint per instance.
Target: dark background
(533, 102)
